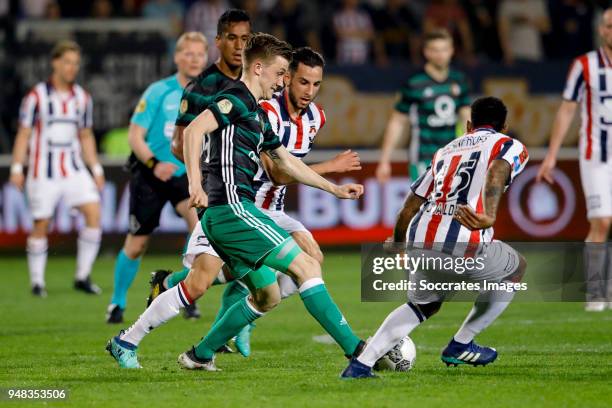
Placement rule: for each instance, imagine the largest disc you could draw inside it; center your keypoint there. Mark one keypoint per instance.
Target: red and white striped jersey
(589, 82)
(296, 135)
(457, 176)
(55, 119)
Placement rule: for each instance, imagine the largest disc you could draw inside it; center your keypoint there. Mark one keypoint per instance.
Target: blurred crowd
(366, 31)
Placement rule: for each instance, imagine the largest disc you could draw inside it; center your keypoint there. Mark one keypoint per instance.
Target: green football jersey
(244, 132)
(433, 108)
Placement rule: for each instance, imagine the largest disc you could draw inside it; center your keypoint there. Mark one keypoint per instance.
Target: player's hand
(546, 169)
(346, 161)
(383, 172)
(18, 180)
(164, 170)
(349, 191)
(471, 220)
(100, 181)
(197, 197)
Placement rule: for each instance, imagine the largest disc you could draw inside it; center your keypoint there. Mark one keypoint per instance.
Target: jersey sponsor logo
(253, 156)
(444, 107)
(183, 107)
(141, 107)
(225, 106)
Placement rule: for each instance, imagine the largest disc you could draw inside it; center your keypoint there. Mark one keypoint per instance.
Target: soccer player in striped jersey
(55, 126)
(450, 212)
(157, 177)
(296, 120)
(432, 101)
(589, 84)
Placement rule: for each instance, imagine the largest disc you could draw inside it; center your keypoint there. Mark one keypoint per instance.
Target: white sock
(163, 308)
(37, 259)
(88, 245)
(286, 285)
(488, 306)
(398, 324)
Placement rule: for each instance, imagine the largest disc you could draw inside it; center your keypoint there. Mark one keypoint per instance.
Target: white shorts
(45, 194)
(500, 261)
(199, 244)
(597, 185)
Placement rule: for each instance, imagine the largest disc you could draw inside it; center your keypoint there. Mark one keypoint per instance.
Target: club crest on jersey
(225, 106)
(142, 105)
(183, 107)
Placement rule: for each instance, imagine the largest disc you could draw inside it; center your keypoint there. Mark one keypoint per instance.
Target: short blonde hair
(195, 36)
(62, 47)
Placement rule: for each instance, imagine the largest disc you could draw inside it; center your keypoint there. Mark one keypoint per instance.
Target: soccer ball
(400, 358)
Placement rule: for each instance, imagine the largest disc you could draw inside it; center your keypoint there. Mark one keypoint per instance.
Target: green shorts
(244, 238)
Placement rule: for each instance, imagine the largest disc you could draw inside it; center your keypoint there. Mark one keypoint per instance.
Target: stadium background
(127, 45)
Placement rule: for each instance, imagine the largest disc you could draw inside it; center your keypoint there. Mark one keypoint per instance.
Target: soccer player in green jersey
(431, 101)
(243, 236)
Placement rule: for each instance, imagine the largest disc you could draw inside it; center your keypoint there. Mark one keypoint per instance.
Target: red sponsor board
(529, 210)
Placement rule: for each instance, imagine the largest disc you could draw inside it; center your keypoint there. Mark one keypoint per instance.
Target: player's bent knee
(304, 267)
(267, 298)
(518, 274)
(429, 309)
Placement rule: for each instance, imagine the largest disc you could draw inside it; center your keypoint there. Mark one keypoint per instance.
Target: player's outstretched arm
(204, 123)
(295, 168)
(341, 163)
(411, 206)
(396, 125)
(20, 152)
(177, 142)
(90, 156)
(563, 120)
(497, 176)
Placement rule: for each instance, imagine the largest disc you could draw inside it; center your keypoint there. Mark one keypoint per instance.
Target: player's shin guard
(488, 306)
(164, 307)
(235, 319)
(234, 292)
(88, 246)
(125, 272)
(37, 260)
(398, 324)
(320, 305)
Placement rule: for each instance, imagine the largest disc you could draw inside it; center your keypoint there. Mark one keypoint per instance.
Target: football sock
(320, 305)
(175, 277)
(163, 308)
(125, 272)
(286, 284)
(239, 315)
(88, 245)
(398, 324)
(37, 259)
(488, 306)
(234, 292)
(595, 271)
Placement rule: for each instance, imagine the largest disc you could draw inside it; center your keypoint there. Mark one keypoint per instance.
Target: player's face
(272, 76)
(304, 85)
(231, 43)
(605, 29)
(439, 52)
(191, 59)
(67, 66)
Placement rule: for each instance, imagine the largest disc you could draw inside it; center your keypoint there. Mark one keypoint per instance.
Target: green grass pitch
(551, 354)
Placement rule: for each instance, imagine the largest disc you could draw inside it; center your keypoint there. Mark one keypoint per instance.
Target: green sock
(320, 305)
(232, 294)
(175, 277)
(238, 316)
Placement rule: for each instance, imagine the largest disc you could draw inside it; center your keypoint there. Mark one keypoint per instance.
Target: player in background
(296, 120)
(431, 101)
(452, 209)
(589, 84)
(157, 177)
(55, 138)
(246, 239)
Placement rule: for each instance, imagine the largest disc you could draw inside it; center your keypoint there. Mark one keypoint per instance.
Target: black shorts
(148, 195)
